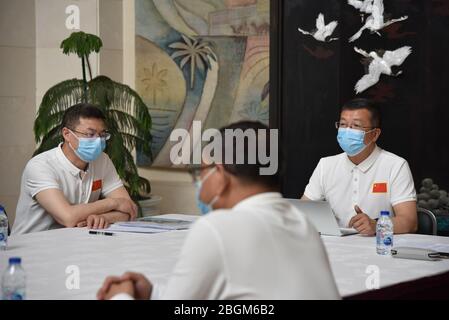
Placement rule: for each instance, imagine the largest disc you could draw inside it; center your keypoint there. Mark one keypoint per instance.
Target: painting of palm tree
(193, 51)
(155, 81)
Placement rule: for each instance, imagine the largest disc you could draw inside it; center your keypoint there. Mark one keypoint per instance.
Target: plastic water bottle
(3, 229)
(384, 233)
(14, 281)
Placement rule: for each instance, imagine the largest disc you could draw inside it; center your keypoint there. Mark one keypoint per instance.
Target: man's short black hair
(363, 103)
(248, 172)
(73, 114)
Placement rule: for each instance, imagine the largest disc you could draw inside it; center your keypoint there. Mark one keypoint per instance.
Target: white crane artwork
(322, 30)
(365, 6)
(380, 63)
(375, 21)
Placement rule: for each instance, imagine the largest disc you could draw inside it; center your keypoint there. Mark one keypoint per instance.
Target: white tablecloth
(46, 256)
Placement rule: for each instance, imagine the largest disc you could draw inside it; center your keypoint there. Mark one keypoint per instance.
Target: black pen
(101, 232)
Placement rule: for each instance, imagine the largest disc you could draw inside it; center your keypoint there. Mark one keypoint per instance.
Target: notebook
(150, 225)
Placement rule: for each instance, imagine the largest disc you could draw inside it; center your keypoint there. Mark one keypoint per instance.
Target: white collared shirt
(380, 182)
(263, 248)
(52, 170)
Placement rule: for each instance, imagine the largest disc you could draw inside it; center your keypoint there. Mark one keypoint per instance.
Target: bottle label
(388, 241)
(14, 296)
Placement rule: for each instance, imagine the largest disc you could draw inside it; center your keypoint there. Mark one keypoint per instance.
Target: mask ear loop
(215, 198)
(366, 134)
(70, 145)
(208, 175)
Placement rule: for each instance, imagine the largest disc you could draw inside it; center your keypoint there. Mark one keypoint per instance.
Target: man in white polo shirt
(365, 179)
(251, 244)
(62, 186)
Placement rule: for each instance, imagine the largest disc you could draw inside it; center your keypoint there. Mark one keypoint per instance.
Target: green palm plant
(194, 51)
(127, 116)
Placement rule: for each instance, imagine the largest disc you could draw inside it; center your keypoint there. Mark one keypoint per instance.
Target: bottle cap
(385, 213)
(15, 260)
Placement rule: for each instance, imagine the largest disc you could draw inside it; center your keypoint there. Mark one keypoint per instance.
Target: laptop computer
(320, 214)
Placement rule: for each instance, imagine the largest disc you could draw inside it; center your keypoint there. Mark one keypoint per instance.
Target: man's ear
(65, 133)
(224, 179)
(377, 134)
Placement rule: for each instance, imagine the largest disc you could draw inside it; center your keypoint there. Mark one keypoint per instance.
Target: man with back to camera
(62, 186)
(365, 179)
(251, 244)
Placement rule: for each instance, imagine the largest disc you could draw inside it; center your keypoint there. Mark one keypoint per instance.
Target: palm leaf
(179, 45)
(199, 63)
(189, 41)
(179, 54)
(55, 101)
(184, 61)
(81, 43)
(50, 140)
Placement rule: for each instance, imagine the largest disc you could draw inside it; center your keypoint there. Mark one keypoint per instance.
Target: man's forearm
(115, 216)
(80, 212)
(403, 225)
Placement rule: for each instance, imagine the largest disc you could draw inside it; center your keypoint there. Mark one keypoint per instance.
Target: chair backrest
(427, 222)
(9, 225)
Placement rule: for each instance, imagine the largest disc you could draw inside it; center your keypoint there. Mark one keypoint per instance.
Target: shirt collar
(258, 199)
(366, 164)
(66, 163)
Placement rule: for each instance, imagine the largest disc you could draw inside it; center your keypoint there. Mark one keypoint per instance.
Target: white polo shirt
(380, 182)
(52, 170)
(262, 248)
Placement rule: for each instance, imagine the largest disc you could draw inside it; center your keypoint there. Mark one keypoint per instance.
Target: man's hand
(94, 222)
(113, 286)
(127, 206)
(109, 218)
(363, 223)
(134, 284)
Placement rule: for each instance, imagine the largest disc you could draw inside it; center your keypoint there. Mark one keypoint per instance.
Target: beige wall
(111, 33)
(31, 62)
(17, 95)
(52, 66)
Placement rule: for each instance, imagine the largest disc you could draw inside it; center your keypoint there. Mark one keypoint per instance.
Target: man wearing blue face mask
(365, 179)
(253, 244)
(62, 186)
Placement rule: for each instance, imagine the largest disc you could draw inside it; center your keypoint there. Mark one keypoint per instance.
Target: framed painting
(203, 60)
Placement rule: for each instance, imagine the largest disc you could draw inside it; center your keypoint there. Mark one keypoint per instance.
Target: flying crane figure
(375, 21)
(364, 6)
(380, 63)
(322, 30)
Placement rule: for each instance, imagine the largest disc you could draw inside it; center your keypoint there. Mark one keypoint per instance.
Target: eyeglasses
(195, 172)
(104, 135)
(339, 125)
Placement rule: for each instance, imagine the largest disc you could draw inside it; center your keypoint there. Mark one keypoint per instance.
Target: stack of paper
(150, 225)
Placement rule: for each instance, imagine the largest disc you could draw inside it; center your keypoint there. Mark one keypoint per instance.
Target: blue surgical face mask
(89, 149)
(352, 141)
(205, 208)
